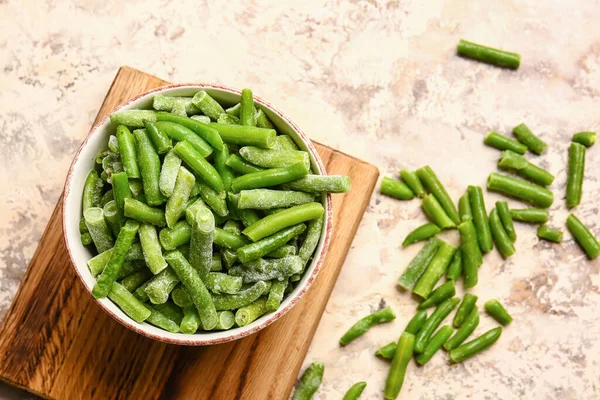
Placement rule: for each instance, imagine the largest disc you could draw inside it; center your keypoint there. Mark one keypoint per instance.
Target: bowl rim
(241, 332)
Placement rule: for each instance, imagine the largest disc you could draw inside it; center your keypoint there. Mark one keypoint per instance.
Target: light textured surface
(376, 79)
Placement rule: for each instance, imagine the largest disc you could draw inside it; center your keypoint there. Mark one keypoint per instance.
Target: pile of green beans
(202, 220)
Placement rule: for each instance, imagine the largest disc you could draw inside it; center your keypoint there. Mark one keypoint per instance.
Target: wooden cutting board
(57, 343)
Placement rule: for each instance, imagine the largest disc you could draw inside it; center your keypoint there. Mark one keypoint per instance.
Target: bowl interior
(97, 141)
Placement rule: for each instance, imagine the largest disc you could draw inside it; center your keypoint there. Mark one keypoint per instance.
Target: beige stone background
(376, 79)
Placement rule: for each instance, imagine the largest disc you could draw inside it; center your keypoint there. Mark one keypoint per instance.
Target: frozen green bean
(213, 199)
(311, 239)
(199, 166)
(92, 190)
(262, 121)
(501, 142)
(276, 295)
(320, 184)
(218, 283)
(135, 280)
(127, 150)
(149, 164)
(268, 244)
(267, 269)
(121, 190)
(171, 238)
(133, 118)
(199, 126)
(417, 266)
(248, 314)
(225, 320)
(241, 166)
(275, 222)
(525, 136)
(575, 176)
(162, 142)
(168, 103)
(284, 142)
(144, 213)
(207, 105)
(98, 229)
(421, 233)
(127, 302)
(247, 117)
(583, 236)
(161, 285)
(201, 243)
(160, 320)
(265, 199)
(181, 297)
(229, 240)
(547, 233)
(227, 119)
(191, 320)
(366, 323)
(520, 189)
(177, 203)
(435, 270)
(269, 177)
(151, 248)
(397, 189)
(271, 158)
(242, 298)
(246, 135)
(413, 182)
(113, 217)
(433, 185)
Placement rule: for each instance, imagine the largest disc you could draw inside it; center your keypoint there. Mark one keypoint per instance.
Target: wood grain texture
(57, 343)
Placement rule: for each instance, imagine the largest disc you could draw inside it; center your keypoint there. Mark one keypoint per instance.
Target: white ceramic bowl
(97, 140)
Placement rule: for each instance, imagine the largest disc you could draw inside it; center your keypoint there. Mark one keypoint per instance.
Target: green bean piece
(497, 311)
(113, 144)
(248, 216)
(151, 248)
(127, 302)
(219, 283)
(215, 200)
(480, 219)
(403, 355)
(248, 314)
(531, 215)
(241, 166)
(583, 236)
(247, 117)
(92, 190)
(82, 227)
(439, 295)
(229, 240)
(220, 158)
(525, 136)
(136, 187)
(177, 203)
(433, 185)
(269, 177)
(225, 320)
(276, 222)
(98, 229)
(140, 293)
(456, 266)
(201, 243)
(227, 119)
(121, 190)
(466, 306)
(419, 264)
(229, 258)
(108, 196)
(421, 233)
(276, 295)
(501, 142)
(547, 233)
(182, 134)
(311, 240)
(168, 103)
(434, 344)
(113, 217)
(170, 310)
(233, 226)
(262, 121)
(193, 284)
(355, 391)
(149, 164)
(246, 135)
(207, 105)
(472, 258)
(160, 320)
(464, 207)
(475, 346)
(127, 150)
(181, 297)
(86, 239)
(133, 118)
(114, 265)
(143, 213)
(393, 188)
(270, 158)
(503, 242)
(585, 138)
(488, 55)
(265, 199)
(284, 142)
(199, 165)
(268, 244)
(283, 251)
(191, 320)
(507, 219)
(135, 280)
(366, 323)
(131, 267)
(161, 286)
(465, 330)
(435, 270)
(216, 264)
(575, 176)
(234, 110)
(97, 263)
(198, 125)
(387, 351)
(433, 322)
(416, 322)
(434, 210)
(162, 142)
(412, 181)
(192, 209)
(309, 382)
(520, 189)
(267, 269)
(320, 184)
(517, 163)
(171, 238)
(242, 298)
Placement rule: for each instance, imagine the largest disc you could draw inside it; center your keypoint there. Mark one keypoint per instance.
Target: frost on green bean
(264, 199)
(161, 285)
(209, 106)
(177, 203)
(268, 158)
(248, 314)
(267, 269)
(244, 297)
(98, 229)
(133, 118)
(151, 248)
(168, 103)
(168, 173)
